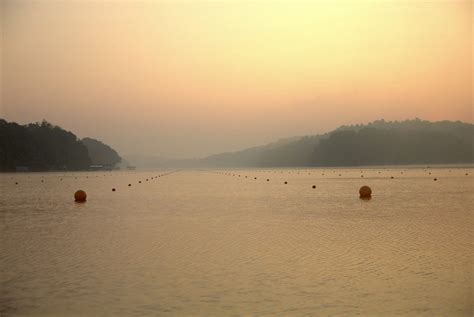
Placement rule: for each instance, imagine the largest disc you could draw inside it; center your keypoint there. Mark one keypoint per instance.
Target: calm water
(203, 243)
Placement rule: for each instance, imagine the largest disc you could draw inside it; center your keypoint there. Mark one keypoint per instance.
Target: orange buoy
(365, 192)
(80, 196)
(113, 189)
(314, 186)
(286, 182)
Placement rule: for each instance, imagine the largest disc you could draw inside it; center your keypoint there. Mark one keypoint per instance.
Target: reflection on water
(207, 243)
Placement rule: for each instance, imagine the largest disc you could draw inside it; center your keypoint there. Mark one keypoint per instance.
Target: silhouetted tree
(40, 146)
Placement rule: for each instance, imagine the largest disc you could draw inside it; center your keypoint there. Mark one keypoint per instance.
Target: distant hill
(100, 153)
(40, 146)
(376, 143)
(407, 142)
(248, 157)
(46, 147)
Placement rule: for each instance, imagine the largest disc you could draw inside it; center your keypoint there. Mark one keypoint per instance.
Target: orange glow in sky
(190, 78)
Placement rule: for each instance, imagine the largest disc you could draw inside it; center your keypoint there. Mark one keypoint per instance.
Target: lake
(220, 242)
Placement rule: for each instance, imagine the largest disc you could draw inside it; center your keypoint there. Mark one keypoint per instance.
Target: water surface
(215, 243)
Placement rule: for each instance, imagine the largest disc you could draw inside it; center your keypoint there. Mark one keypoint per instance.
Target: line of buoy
(365, 192)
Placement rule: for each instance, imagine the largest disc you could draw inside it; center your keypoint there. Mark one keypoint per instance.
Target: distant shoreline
(413, 166)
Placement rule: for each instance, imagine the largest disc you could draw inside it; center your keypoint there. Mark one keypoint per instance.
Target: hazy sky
(190, 78)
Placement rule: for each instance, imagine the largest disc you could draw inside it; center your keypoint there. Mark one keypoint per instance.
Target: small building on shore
(22, 169)
(100, 167)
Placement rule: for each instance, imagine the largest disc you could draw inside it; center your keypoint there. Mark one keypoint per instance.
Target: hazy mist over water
(205, 243)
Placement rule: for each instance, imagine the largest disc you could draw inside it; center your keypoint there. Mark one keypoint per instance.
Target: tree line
(376, 143)
(42, 146)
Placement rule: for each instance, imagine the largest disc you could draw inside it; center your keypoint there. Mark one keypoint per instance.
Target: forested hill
(377, 143)
(40, 147)
(101, 153)
(43, 146)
